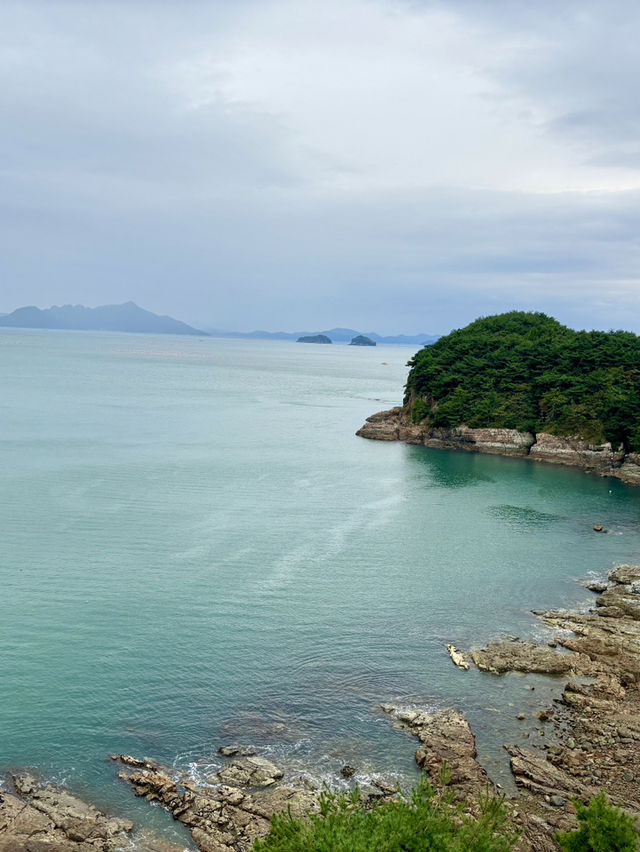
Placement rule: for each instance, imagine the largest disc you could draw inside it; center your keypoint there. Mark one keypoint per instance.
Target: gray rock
(250, 772)
(509, 656)
(237, 751)
(46, 818)
(228, 818)
(445, 737)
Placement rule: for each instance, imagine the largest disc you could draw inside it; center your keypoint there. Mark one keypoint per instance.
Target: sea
(197, 550)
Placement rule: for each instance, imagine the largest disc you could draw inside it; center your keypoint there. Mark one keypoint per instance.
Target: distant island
(314, 338)
(337, 335)
(127, 317)
(362, 340)
(523, 384)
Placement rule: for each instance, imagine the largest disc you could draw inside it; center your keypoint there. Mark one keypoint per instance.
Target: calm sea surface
(197, 550)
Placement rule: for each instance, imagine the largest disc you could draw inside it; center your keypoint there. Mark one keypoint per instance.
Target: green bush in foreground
(425, 821)
(603, 828)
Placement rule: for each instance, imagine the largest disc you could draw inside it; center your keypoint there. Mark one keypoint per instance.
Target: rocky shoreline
(587, 740)
(395, 424)
(40, 817)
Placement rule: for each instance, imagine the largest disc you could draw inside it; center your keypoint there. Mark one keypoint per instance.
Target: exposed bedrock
(445, 737)
(227, 816)
(396, 425)
(601, 458)
(592, 734)
(45, 818)
(511, 655)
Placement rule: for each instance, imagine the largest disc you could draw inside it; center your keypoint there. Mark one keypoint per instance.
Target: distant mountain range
(337, 335)
(128, 317)
(132, 318)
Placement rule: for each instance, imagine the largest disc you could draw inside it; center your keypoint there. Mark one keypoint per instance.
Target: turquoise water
(198, 550)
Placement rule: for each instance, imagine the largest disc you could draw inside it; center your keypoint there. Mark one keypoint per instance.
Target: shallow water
(198, 550)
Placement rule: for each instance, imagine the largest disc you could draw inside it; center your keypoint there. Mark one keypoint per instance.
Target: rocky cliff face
(598, 457)
(396, 425)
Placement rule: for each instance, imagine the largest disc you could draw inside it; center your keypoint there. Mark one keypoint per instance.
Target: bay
(196, 549)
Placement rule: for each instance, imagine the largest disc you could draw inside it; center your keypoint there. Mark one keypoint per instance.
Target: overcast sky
(388, 165)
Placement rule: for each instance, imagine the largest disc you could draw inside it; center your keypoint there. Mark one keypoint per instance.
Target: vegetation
(526, 371)
(603, 828)
(426, 821)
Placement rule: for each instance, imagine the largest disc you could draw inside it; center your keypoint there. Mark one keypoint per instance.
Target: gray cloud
(385, 165)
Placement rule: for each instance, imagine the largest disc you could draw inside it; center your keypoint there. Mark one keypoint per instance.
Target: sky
(385, 165)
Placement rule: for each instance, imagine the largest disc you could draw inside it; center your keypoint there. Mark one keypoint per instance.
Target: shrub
(424, 821)
(603, 828)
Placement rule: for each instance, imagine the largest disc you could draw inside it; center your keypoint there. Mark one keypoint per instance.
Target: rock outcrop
(396, 424)
(230, 814)
(513, 655)
(593, 732)
(600, 458)
(504, 442)
(46, 818)
(446, 739)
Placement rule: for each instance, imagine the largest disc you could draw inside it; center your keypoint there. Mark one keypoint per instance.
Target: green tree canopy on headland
(526, 371)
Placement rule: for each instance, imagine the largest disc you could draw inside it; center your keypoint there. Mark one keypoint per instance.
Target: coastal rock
(458, 658)
(592, 734)
(396, 425)
(445, 737)
(513, 655)
(626, 575)
(384, 426)
(46, 818)
(236, 751)
(250, 772)
(619, 601)
(507, 442)
(629, 470)
(573, 451)
(224, 818)
(534, 772)
(622, 596)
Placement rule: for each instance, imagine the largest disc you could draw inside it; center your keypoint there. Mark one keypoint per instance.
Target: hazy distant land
(129, 317)
(337, 335)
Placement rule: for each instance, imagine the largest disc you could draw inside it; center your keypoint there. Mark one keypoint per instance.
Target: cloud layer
(387, 164)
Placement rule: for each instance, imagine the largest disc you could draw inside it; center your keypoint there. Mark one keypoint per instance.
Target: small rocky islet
(314, 338)
(587, 740)
(362, 340)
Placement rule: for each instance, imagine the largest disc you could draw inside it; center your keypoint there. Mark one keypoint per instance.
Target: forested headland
(529, 372)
